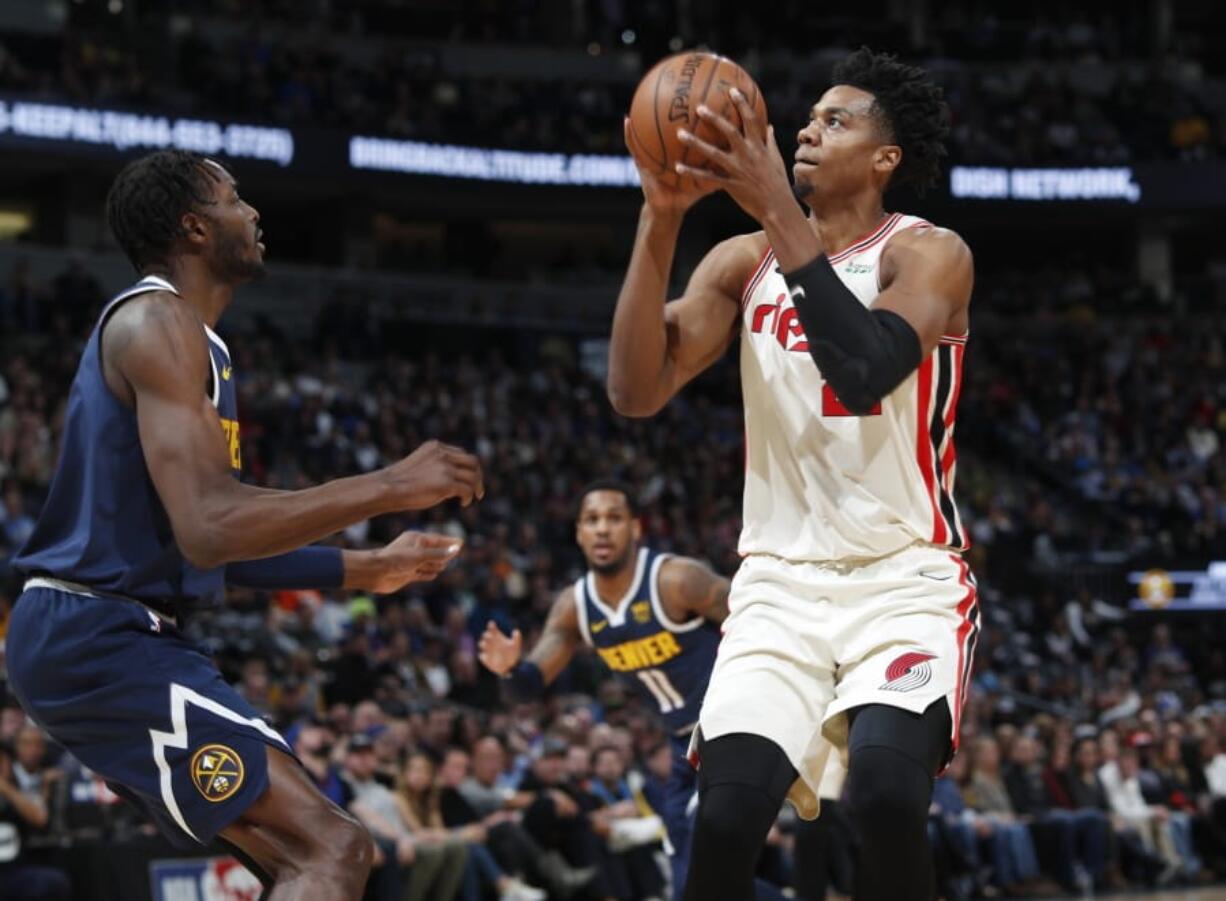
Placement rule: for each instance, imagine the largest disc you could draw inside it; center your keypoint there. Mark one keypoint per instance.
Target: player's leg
(742, 783)
(308, 846)
(893, 756)
(680, 804)
(760, 725)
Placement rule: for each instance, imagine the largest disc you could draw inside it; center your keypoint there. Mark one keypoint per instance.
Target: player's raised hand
(434, 473)
(412, 557)
(662, 197)
(751, 170)
(497, 652)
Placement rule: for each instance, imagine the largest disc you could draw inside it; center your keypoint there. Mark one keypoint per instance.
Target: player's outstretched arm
(690, 588)
(411, 557)
(557, 645)
(657, 347)
(155, 355)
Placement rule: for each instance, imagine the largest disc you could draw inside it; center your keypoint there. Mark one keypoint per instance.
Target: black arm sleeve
(862, 353)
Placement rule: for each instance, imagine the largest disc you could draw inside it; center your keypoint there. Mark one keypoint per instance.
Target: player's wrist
(794, 242)
(661, 215)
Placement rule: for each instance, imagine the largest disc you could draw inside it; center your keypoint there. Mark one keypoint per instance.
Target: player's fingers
(707, 149)
(438, 541)
(704, 177)
(749, 119)
(721, 122)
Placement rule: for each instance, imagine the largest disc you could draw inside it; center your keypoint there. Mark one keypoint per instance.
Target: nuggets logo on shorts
(641, 610)
(217, 772)
(908, 671)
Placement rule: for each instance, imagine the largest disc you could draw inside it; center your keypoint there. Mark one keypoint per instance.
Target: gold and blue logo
(217, 772)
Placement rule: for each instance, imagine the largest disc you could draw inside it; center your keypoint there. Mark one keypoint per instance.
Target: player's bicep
(161, 351)
(701, 323)
(695, 589)
(928, 275)
(560, 638)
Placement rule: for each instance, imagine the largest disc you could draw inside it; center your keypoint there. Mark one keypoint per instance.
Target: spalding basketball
(668, 98)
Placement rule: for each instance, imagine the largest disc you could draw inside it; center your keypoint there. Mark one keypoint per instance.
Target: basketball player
(146, 519)
(651, 617)
(853, 618)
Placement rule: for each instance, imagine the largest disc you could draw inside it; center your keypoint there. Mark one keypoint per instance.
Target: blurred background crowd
(1090, 430)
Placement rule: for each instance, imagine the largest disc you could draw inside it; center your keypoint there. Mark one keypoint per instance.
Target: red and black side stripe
(946, 375)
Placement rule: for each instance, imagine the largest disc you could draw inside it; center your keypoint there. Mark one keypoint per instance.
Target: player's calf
(893, 757)
(307, 846)
(742, 782)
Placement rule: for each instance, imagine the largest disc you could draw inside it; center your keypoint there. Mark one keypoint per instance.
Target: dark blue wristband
(526, 681)
(308, 567)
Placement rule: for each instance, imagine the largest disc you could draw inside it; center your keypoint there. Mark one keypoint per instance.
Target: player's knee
(721, 815)
(888, 792)
(743, 779)
(342, 848)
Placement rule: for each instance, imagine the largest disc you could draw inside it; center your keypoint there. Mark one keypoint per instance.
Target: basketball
(668, 98)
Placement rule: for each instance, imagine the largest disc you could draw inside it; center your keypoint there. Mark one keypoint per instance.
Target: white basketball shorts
(806, 642)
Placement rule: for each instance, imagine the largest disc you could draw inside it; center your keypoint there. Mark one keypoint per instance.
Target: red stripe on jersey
(965, 639)
(864, 243)
(951, 455)
(923, 448)
(752, 282)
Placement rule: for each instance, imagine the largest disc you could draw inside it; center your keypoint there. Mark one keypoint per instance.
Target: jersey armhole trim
(658, 606)
(759, 270)
(581, 612)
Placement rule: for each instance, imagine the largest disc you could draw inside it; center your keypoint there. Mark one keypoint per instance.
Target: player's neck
(841, 225)
(612, 587)
(198, 287)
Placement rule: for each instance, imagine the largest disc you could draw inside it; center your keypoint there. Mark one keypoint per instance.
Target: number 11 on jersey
(662, 689)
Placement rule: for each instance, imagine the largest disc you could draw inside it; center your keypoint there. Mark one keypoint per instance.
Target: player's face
(237, 252)
(842, 149)
(607, 533)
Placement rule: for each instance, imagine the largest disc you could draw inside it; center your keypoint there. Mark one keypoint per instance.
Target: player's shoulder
(743, 251)
(679, 573)
(920, 234)
(732, 262)
(156, 312)
(156, 327)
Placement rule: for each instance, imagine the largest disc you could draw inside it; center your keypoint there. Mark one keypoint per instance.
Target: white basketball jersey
(823, 484)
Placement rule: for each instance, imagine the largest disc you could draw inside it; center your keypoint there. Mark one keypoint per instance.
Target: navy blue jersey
(668, 663)
(103, 525)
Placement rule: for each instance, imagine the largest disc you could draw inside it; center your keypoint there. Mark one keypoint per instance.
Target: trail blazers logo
(908, 672)
(217, 772)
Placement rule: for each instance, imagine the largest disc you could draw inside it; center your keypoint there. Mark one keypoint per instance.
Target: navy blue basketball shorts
(127, 694)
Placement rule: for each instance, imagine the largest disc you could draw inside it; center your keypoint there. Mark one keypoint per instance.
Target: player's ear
(636, 528)
(887, 158)
(195, 228)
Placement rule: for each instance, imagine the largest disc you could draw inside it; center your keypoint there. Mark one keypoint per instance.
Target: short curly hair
(148, 199)
(910, 106)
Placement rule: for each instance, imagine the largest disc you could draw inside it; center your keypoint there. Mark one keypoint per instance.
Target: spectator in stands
(23, 812)
(1014, 862)
(513, 849)
(558, 815)
(632, 834)
(425, 872)
(1150, 823)
(955, 834)
(311, 747)
(419, 804)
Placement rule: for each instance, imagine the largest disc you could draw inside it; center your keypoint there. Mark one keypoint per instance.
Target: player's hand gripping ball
(668, 98)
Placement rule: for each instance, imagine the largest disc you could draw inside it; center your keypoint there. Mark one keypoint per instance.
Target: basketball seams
(706, 89)
(661, 94)
(638, 142)
(655, 117)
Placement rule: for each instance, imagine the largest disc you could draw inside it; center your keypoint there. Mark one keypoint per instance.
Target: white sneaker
(518, 891)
